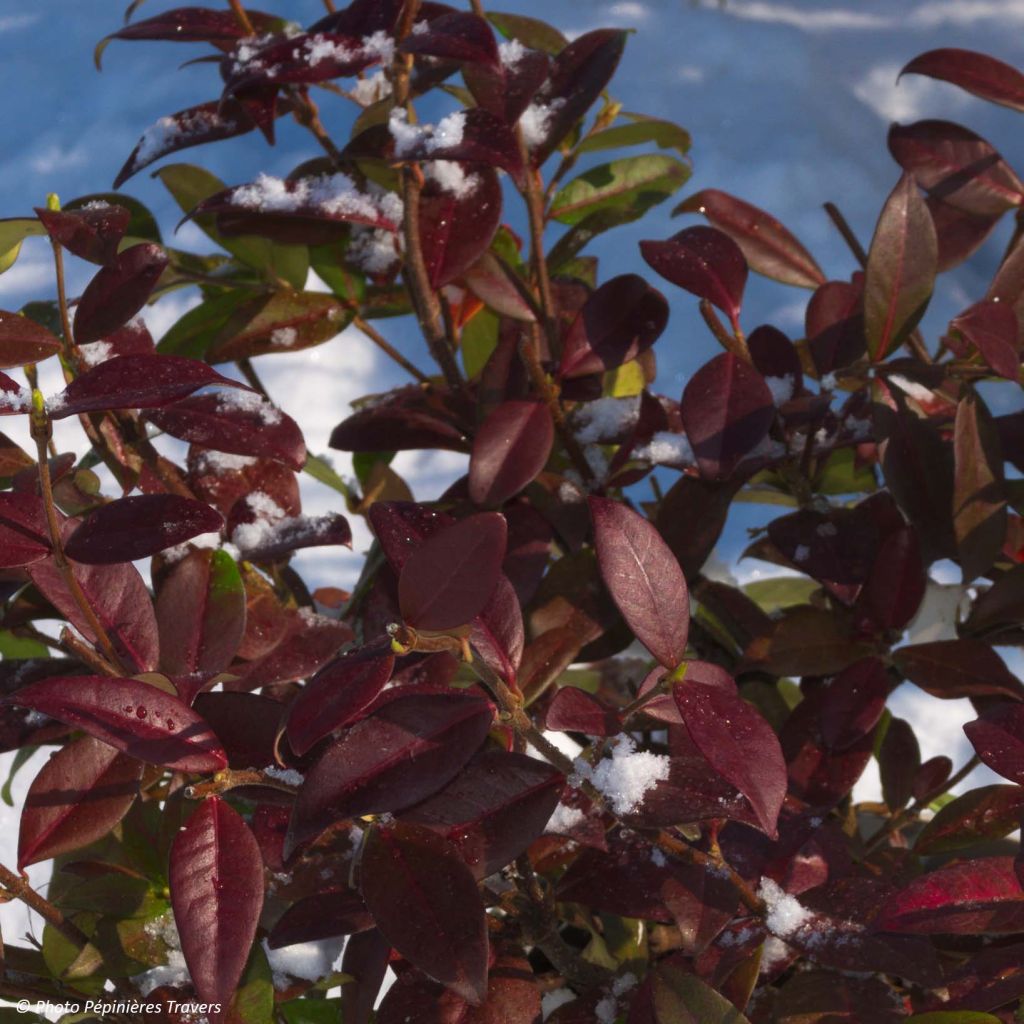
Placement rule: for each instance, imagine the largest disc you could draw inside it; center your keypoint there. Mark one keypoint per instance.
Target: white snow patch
(564, 819)
(425, 138)
(535, 121)
(511, 52)
(332, 194)
(626, 776)
(605, 419)
(782, 388)
(284, 337)
(451, 177)
(667, 448)
(786, 914)
(231, 399)
(309, 961)
(367, 91)
(287, 775)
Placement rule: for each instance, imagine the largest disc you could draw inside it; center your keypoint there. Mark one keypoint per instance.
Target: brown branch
(242, 16)
(19, 888)
(389, 350)
(731, 342)
(844, 229)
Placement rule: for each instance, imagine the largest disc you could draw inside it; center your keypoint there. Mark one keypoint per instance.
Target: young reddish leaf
(133, 717)
(510, 448)
(457, 36)
(216, 883)
(900, 275)
(738, 744)
(91, 233)
(242, 425)
(118, 292)
(132, 528)
(459, 213)
(768, 246)
(575, 710)
(200, 613)
(991, 327)
(979, 502)
(426, 904)
(24, 341)
(489, 282)
(449, 580)
(727, 410)
(966, 898)
(336, 695)
(958, 668)
(955, 165)
(497, 633)
(404, 752)
(24, 532)
(623, 318)
(989, 812)
(998, 738)
(854, 703)
(493, 809)
(704, 261)
(978, 73)
(136, 382)
(644, 579)
(79, 795)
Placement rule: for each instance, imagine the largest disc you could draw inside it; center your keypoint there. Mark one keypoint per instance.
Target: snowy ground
(788, 104)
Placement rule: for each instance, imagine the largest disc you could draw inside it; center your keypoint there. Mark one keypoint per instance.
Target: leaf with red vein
(991, 327)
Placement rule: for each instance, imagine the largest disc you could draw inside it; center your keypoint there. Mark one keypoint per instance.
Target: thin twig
(844, 229)
(242, 16)
(20, 889)
(388, 349)
(731, 342)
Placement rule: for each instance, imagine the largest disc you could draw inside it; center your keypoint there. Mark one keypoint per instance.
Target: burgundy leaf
(426, 904)
(365, 960)
(79, 795)
(510, 448)
(774, 355)
(241, 427)
(321, 917)
(998, 738)
(663, 707)
(704, 261)
(449, 580)
(497, 633)
(958, 668)
(91, 233)
(457, 36)
(854, 703)
(134, 717)
(24, 341)
(336, 695)
(991, 327)
(216, 883)
(738, 744)
(506, 91)
(899, 759)
(727, 410)
(989, 812)
(896, 584)
(118, 292)
(978, 73)
(575, 710)
(245, 723)
(24, 532)
(900, 275)
(131, 528)
(834, 325)
(404, 752)
(191, 25)
(480, 138)
(623, 318)
(768, 246)
(401, 527)
(644, 579)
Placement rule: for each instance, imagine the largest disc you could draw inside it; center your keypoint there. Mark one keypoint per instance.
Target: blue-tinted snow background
(788, 105)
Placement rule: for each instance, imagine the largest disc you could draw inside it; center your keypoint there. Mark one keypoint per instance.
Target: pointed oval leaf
(738, 744)
(426, 904)
(136, 382)
(991, 327)
(680, 997)
(118, 292)
(644, 579)
(457, 36)
(510, 449)
(958, 668)
(216, 883)
(575, 710)
(91, 232)
(132, 528)
(23, 341)
(136, 718)
(768, 246)
(998, 738)
(727, 410)
(854, 703)
(24, 531)
(322, 916)
(978, 73)
(397, 757)
(450, 579)
(79, 795)
(901, 269)
(989, 812)
(704, 261)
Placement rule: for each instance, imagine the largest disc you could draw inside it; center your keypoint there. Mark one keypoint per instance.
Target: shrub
(243, 766)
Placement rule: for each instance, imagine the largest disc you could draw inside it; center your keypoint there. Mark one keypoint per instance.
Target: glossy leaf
(459, 36)
(426, 904)
(767, 245)
(216, 883)
(978, 73)
(900, 274)
(22, 341)
(24, 532)
(91, 233)
(79, 795)
(449, 580)
(989, 812)
(998, 738)
(854, 703)
(991, 327)
(132, 528)
(321, 917)
(644, 579)
(575, 710)
(958, 668)
(135, 718)
(510, 448)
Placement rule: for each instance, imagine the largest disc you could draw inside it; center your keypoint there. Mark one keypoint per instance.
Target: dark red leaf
(79, 795)
(958, 668)
(774, 355)
(727, 410)
(901, 269)
(854, 703)
(91, 232)
(511, 447)
(192, 25)
(738, 743)
(216, 883)
(644, 579)
(998, 738)
(899, 758)
(245, 723)
(506, 91)
(321, 917)
(457, 36)
(978, 73)
(337, 694)
(991, 327)
(704, 261)
(263, 538)
(623, 318)
(959, 233)
(24, 532)
(118, 292)
(365, 960)
(426, 904)
(247, 427)
(834, 325)
(989, 812)
(404, 752)
(405, 419)
(896, 584)
(131, 716)
(24, 341)
(449, 580)
(132, 528)
(497, 633)
(768, 246)
(575, 710)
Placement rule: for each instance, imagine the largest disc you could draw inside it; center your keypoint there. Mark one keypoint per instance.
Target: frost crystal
(287, 775)
(284, 337)
(626, 776)
(21, 401)
(511, 53)
(564, 819)
(380, 45)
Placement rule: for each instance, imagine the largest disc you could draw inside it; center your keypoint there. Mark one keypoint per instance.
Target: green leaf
(841, 475)
(193, 334)
(14, 231)
(952, 1017)
(634, 183)
(142, 227)
(363, 463)
(779, 592)
(532, 32)
(254, 998)
(12, 646)
(320, 469)
(479, 340)
(328, 262)
(311, 1011)
(643, 129)
(682, 998)
(23, 755)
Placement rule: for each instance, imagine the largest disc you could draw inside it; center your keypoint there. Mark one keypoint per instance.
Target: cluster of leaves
(242, 765)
